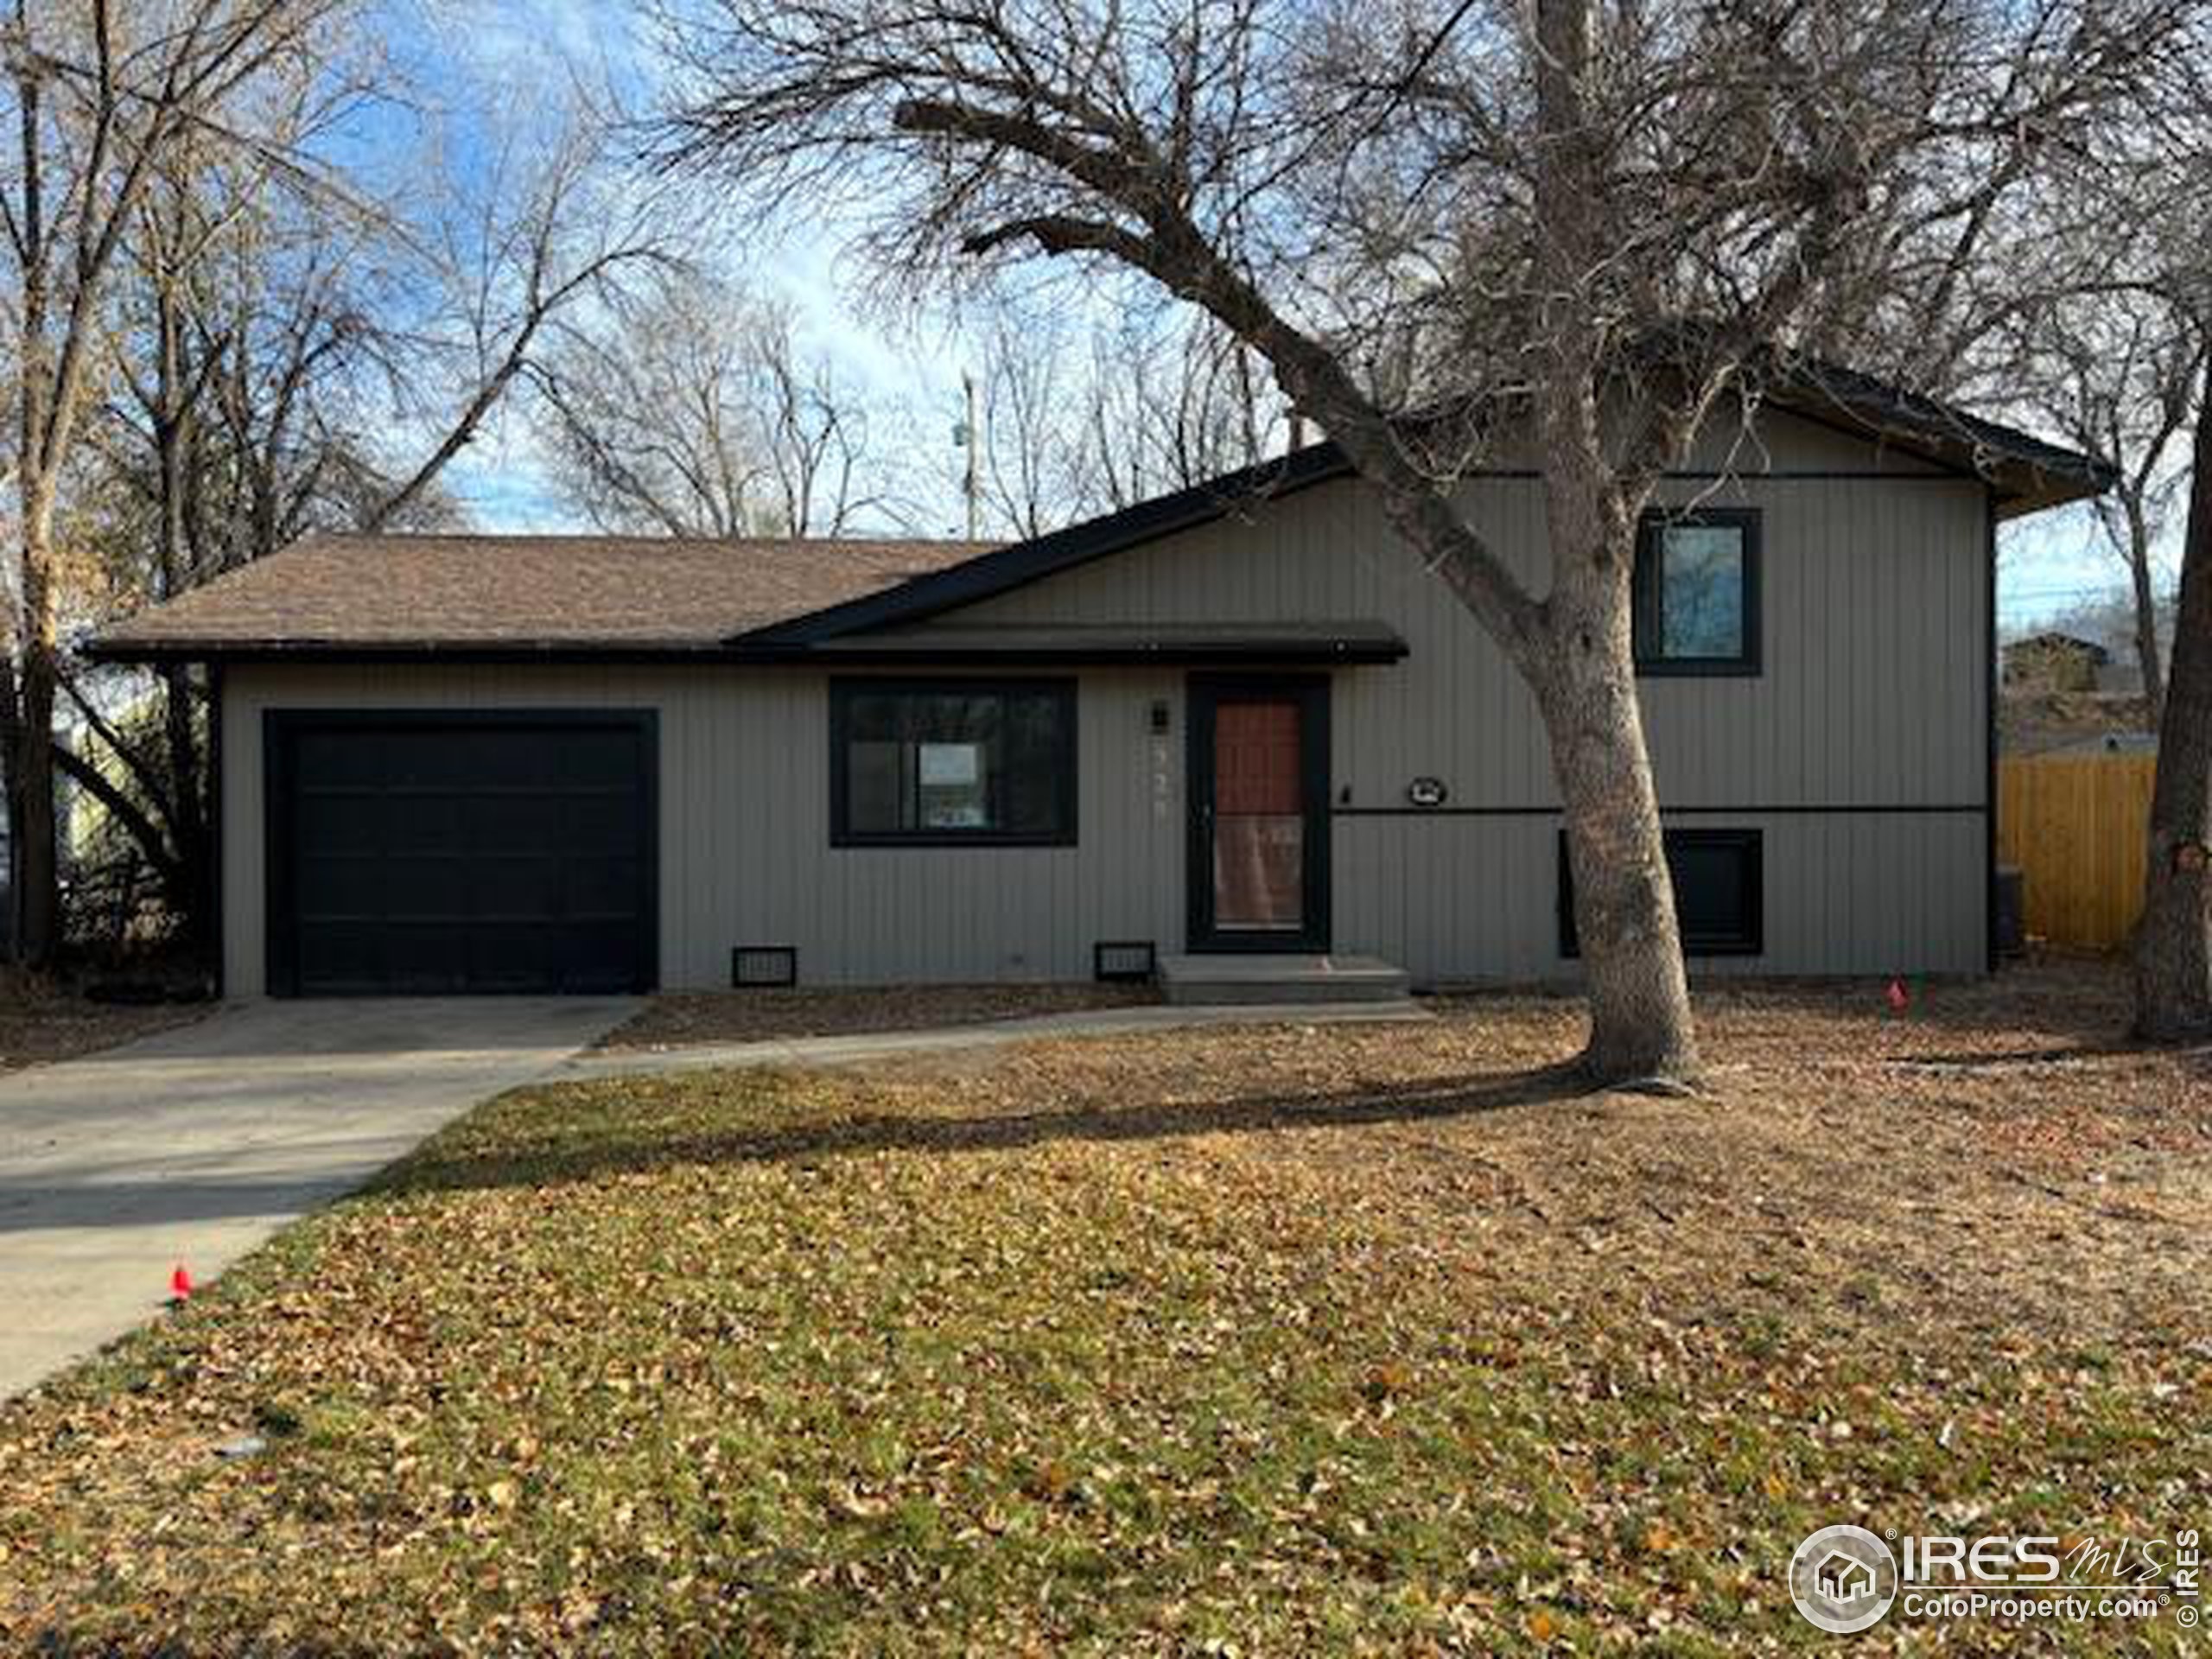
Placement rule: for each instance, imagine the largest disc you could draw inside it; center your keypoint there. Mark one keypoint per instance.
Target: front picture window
(952, 762)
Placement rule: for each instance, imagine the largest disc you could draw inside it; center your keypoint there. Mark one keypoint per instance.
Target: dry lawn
(1262, 1340)
(683, 1019)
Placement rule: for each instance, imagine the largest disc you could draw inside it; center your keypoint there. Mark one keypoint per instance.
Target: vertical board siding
(1872, 703)
(744, 826)
(1859, 893)
(1873, 608)
(2078, 827)
(1872, 700)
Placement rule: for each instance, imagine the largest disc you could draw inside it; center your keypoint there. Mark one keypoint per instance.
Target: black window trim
(1753, 843)
(1647, 597)
(844, 688)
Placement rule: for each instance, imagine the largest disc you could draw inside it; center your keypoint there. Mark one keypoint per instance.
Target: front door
(1259, 864)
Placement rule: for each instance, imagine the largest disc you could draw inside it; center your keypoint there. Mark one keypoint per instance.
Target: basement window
(1695, 593)
(952, 763)
(1720, 893)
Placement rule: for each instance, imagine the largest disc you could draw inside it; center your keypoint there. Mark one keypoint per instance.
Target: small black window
(1696, 593)
(952, 763)
(1720, 893)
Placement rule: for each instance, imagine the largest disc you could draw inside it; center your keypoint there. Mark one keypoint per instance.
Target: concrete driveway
(195, 1145)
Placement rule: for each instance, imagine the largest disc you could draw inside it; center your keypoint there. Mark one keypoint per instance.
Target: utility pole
(967, 438)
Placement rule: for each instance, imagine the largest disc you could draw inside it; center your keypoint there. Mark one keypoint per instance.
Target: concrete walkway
(194, 1144)
(870, 1046)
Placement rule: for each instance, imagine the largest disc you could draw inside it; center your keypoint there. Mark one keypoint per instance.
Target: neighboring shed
(2053, 662)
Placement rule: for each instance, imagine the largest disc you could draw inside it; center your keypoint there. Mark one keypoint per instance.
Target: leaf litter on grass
(1264, 1339)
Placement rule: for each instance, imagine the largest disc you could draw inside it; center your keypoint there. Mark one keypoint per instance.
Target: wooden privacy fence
(2076, 823)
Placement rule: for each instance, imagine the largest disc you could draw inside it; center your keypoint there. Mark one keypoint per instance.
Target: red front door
(1259, 792)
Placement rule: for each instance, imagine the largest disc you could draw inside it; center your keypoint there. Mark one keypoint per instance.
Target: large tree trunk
(1584, 681)
(1641, 1027)
(2173, 943)
(1573, 648)
(1640, 1023)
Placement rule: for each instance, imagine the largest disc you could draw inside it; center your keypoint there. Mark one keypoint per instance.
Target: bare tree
(98, 99)
(2120, 371)
(265, 322)
(181, 495)
(693, 411)
(1034, 474)
(1191, 407)
(816, 435)
(1164, 409)
(1077, 422)
(1599, 223)
(547, 230)
(208, 454)
(649, 423)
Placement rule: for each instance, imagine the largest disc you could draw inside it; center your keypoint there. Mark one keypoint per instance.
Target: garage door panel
(335, 889)
(519, 821)
(515, 955)
(442, 760)
(516, 889)
(343, 956)
(443, 853)
(422, 957)
(327, 760)
(440, 888)
(599, 760)
(600, 825)
(520, 765)
(598, 889)
(340, 823)
(589, 948)
(429, 822)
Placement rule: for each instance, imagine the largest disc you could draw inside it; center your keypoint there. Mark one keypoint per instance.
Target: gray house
(1239, 719)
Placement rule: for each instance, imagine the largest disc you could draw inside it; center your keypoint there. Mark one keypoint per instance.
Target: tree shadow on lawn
(2034, 1012)
(2198, 1056)
(437, 1168)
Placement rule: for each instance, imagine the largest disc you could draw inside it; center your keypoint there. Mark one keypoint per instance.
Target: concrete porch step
(1230, 979)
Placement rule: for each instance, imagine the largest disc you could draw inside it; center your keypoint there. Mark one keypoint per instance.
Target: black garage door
(427, 854)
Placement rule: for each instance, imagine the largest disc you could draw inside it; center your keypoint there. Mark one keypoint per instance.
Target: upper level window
(939, 763)
(1696, 593)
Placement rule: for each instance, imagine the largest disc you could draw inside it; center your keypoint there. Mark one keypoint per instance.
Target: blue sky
(486, 67)
(529, 52)
(2054, 564)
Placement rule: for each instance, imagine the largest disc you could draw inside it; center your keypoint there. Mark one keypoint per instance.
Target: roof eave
(182, 649)
(858, 653)
(2022, 489)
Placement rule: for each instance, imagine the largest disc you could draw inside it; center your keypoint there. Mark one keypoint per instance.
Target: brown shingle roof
(613, 593)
